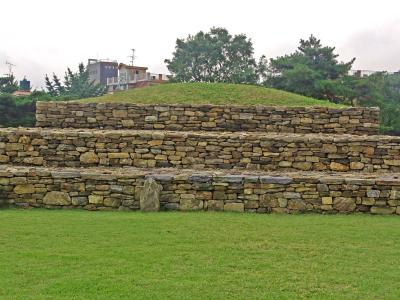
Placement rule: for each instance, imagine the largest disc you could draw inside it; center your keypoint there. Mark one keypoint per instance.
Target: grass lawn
(112, 255)
(210, 93)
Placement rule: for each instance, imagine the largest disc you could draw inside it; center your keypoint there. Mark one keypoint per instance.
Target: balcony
(123, 80)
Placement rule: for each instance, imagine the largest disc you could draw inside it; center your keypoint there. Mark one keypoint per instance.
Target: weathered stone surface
(327, 200)
(373, 193)
(343, 204)
(191, 204)
(382, 210)
(57, 198)
(338, 167)
(79, 200)
(357, 165)
(24, 189)
(297, 205)
(276, 180)
(96, 199)
(89, 158)
(200, 150)
(150, 195)
(119, 113)
(355, 120)
(235, 207)
(256, 191)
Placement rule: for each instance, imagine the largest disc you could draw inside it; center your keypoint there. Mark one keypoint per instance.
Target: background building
(100, 69)
(130, 77)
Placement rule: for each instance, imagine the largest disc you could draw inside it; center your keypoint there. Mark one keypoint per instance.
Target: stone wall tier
(199, 150)
(351, 120)
(123, 189)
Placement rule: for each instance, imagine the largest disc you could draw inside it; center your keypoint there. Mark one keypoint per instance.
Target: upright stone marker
(150, 195)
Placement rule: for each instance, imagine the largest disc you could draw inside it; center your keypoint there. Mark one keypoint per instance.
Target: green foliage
(8, 84)
(309, 71)
(215, 56)
(75, 85)
(379, 89)
(16, 111)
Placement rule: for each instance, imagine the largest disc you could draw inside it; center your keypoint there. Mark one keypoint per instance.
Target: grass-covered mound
(110, 255)
(210, 93)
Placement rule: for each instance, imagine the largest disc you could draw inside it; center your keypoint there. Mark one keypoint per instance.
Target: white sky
(45, 36)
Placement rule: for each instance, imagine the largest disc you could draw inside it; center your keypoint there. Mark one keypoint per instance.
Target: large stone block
(235, 207)
(150, 195)
(57, 198)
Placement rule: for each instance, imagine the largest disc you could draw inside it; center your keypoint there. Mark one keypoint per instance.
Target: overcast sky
(45, 36)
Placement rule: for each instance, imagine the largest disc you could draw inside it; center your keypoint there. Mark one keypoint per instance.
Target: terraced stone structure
(356, 120)
(183, 157)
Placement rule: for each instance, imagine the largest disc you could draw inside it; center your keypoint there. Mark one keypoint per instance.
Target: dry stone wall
(201, 157)
(108, 189)
(199, 150)
(207, 117)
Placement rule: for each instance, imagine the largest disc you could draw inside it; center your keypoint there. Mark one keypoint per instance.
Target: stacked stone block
(201, 157)
(200, 150)
(355, 120)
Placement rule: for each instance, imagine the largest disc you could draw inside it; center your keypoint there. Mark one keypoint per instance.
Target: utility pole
(132, 57)
(10, 66)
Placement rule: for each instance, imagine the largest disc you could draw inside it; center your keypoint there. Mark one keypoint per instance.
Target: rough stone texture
(89, 158)
(251, 191)
(208, 117)
(200, 150)
(57, 198)
(150, 195)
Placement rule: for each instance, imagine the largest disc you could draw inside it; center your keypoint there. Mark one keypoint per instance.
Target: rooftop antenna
(132, 57)
(10, 66)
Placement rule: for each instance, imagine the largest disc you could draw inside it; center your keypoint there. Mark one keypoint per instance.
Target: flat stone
(161, 177)
(65, 174)
(119, 113)
(382, 210)
(24, 189)
(200, 178)
(118, 155)
(292, 195)
(276, 179)
(229, 178)
(235, 207)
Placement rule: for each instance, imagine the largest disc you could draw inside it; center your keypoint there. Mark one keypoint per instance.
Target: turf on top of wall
(210, 93)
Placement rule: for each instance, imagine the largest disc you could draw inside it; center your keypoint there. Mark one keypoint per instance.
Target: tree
(215, 56)
(309, 71)
(75, 86)
(8, 84)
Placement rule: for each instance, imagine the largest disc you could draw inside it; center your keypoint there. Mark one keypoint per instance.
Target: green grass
(210, 93)
(111, 255)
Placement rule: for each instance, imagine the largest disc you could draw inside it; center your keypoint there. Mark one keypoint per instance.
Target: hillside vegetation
(210, 93)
